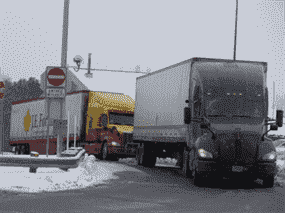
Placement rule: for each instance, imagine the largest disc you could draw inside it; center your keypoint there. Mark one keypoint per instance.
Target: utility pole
(273, 102)
(2, 88)
(64, 34)
(236, 31)
(64, 65)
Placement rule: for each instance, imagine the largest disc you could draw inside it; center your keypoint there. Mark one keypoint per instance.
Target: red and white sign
(56, 77)
(2, 88)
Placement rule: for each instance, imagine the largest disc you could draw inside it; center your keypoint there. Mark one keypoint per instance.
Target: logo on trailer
(27, 121)
(56, 77)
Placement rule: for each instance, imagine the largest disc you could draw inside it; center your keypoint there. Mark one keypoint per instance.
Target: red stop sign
(2, 88)
(56, 77)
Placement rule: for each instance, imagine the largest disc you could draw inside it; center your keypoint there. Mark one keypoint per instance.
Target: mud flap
(148, 158)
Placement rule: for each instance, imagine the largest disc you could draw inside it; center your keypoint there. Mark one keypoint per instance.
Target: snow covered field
(53, 179)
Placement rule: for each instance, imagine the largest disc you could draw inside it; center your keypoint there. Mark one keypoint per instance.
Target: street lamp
(79, 60)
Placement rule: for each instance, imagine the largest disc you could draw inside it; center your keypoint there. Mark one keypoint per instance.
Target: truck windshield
(121, 119)
(235, 106)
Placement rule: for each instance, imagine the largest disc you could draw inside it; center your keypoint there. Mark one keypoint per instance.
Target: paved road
(138, 189)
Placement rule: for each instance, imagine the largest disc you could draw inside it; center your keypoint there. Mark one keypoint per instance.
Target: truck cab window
(121, 119)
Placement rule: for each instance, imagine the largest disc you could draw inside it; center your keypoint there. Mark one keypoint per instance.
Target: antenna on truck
(235, 31)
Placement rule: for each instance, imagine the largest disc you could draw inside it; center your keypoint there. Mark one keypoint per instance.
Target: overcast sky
(151, 33)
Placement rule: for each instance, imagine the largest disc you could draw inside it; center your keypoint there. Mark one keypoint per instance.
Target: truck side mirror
(273, 127)
(187, 115)
(279, 118)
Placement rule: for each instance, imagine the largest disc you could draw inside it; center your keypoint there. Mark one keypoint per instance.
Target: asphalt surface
(138, 189)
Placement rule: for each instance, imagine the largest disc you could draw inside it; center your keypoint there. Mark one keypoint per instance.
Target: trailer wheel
(268, 182)
(18, 150)
(27, 149)
(138, 156)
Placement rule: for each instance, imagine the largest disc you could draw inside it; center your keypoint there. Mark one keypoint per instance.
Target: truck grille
(127, 138)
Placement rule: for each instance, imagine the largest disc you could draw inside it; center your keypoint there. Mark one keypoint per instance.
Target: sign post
(55, 84)
(55, 91)
(2, 88)
(67, 136)
(75, 131)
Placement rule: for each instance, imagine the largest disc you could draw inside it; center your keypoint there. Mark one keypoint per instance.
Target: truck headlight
(270, 156)
(204, 154)
(115, 143)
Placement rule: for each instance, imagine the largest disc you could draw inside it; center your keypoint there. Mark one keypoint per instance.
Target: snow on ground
(53, 179)
(88, 173)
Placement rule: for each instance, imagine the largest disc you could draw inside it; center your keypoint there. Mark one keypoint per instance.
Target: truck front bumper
(116, 149)
(257, 170)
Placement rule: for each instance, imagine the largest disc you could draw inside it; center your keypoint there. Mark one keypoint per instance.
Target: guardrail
(65, 162)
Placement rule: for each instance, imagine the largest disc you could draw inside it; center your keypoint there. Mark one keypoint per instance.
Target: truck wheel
(138, 157)
(179, 162)
(185, 168)
(114, 158)
(100, 155)
(18, 150)
(22, 150)
(27, 149)
(198, 178)
(268, 182)
(105, 154)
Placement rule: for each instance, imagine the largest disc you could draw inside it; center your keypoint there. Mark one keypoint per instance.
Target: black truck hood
(233, 143)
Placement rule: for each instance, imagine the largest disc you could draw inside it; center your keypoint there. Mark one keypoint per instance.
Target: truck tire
(185, 168)
(100, 155)
(18, 150)
(105, 153)
(179, 162)
(23, 149)
(199, 179)
(268, 182)
(138, 156)
(114, 157)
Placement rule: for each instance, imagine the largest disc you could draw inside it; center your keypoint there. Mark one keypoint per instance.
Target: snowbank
(53, 179)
